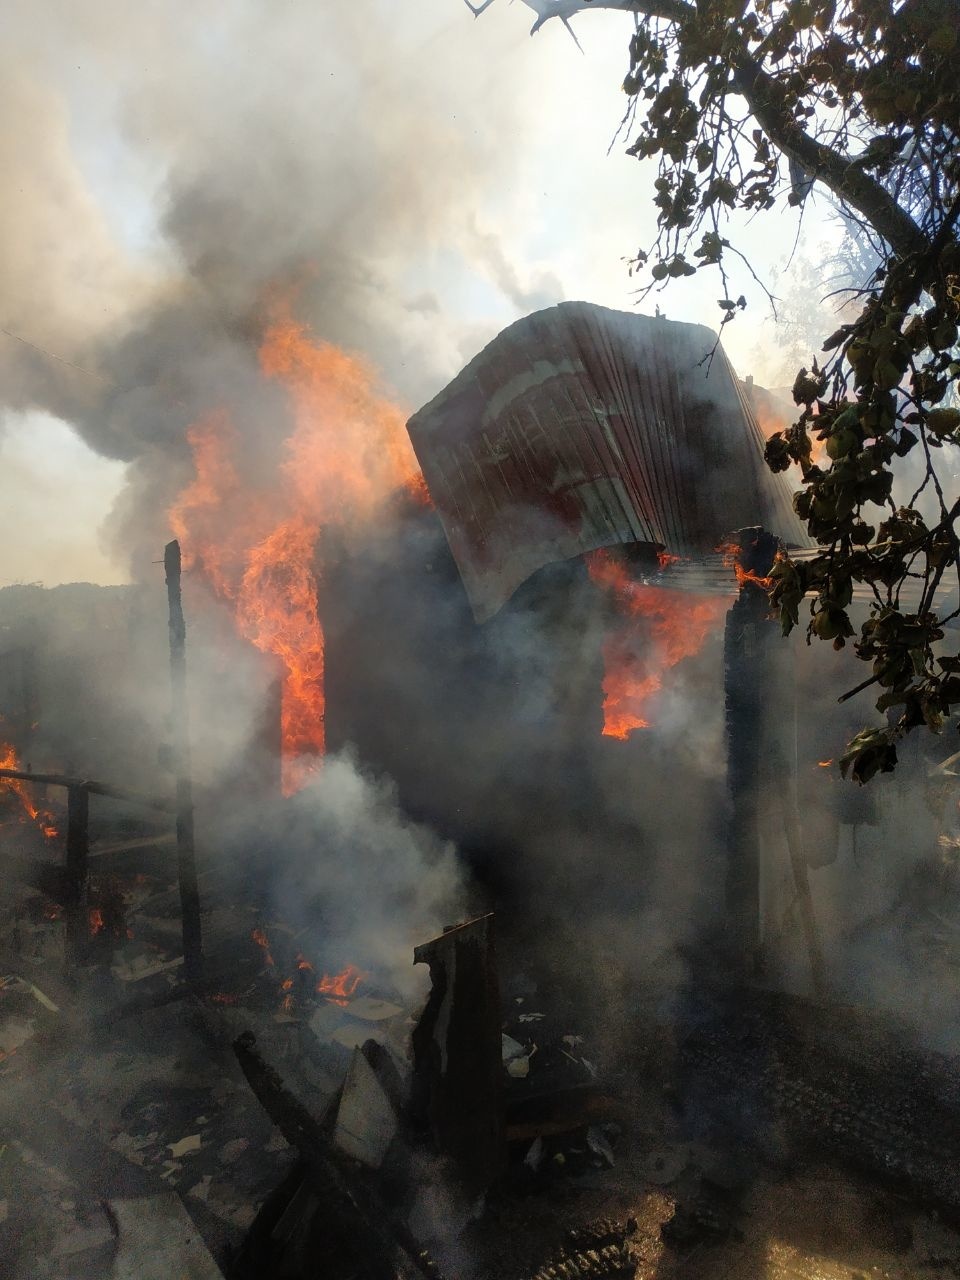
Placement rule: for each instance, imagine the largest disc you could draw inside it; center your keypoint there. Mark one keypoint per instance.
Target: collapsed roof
(579, 427)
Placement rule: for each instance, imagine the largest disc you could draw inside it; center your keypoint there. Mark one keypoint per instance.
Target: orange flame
(660, 627)
(96, 920)
(824, 764)
(774, 412)
(731, 559)
(42, 817)
(341, 986)
(254, 537)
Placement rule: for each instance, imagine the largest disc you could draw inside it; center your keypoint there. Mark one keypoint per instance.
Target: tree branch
(834, 169)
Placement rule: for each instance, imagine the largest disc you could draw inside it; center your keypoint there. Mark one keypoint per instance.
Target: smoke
(168, 177)
(344, 833)
(542, 291)
(66, 283)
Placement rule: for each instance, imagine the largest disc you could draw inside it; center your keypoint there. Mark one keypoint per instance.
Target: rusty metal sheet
(579, 427)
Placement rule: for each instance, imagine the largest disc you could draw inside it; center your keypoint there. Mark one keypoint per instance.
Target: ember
(260, 938)
(255, 542)
(96, 921)
(660, 626)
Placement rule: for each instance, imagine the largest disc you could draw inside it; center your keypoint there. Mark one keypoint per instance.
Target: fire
(341, 986)
(824, 764)
(96, 920)
(659, 628)
(417, 490)
(775, 411)
(261, 939)
(731, 559)
(43, 818)
(251, 524)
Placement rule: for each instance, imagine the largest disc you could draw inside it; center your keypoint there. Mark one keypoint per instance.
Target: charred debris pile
(259, 1021)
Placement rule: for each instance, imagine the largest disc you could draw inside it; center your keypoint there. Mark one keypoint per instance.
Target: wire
(53, 356)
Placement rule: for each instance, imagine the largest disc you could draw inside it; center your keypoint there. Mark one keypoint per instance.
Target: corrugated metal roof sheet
(579, 427)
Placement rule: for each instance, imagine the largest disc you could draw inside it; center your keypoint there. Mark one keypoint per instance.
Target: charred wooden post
(78, 851)
(458, 1059)
(186, 856)
(746, 635)
(793, 829)
(68, 885)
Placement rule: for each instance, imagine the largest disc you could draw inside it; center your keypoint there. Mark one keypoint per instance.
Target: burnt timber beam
(389, 1253)
(186, 853)
(93, 788)
(746, 634)
(458, 1058)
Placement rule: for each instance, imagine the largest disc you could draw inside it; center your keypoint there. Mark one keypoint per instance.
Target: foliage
(745, 104)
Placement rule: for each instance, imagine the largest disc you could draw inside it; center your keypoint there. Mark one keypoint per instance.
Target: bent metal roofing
(579, 427)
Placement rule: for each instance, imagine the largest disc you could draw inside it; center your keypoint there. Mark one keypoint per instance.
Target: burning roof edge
(580, 427)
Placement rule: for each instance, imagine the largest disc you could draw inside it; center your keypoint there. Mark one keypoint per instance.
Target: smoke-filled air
(426, 846)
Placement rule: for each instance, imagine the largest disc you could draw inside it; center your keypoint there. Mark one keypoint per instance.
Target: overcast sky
(471, 159)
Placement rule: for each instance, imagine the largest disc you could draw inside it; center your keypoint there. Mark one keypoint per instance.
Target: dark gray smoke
(311, 150)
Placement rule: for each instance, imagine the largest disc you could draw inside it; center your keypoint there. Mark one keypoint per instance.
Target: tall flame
(659, 626)
(254, 538)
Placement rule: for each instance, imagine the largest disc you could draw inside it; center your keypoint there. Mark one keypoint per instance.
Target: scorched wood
(186, 856)
(458, 1061)
(388, 1251)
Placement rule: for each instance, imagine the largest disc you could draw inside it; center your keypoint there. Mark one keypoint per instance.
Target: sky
(433, 178)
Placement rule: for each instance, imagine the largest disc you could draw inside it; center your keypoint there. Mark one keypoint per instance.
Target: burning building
(542, 653)
(498, 651)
